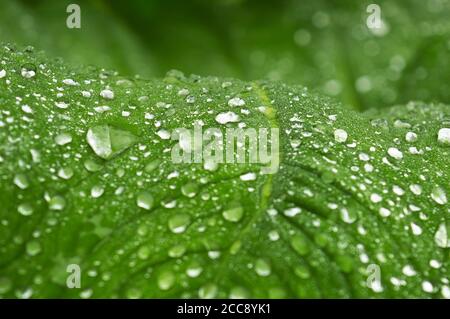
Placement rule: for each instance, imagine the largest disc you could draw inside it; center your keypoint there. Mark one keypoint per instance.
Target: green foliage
(322, 44)
(139, 225)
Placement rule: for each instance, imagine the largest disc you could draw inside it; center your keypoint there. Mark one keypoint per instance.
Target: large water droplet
(107, 141)
(178, 223)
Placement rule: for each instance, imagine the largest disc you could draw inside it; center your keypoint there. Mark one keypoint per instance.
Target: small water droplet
(166, 280)
(340, 135)
(207, 291)
(262, 268)
(439, 196)
(189, 190)
(177, 251)
(21, 181)
(33, 248)
(441, 236)
(63, 138)
(57, 203)
(233, 214)
(444, 136)
(25, 209)
(28, 70)
(178, 223)
(145, 200)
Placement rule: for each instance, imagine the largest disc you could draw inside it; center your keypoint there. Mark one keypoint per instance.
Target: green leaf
(353, 192)
(322, 44)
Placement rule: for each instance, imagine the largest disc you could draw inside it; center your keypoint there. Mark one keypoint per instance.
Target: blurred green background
(325, 45)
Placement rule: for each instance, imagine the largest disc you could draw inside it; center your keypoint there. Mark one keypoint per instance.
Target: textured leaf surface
(141, 226)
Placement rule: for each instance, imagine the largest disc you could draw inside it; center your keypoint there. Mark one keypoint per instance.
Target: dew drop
(178, 223)
(207, 291)
(189, 190)
(28, 70)
(145, 200)
(177, 251)
(166, 280)
(227, 117)
(33, 248)
(21, 181)
(97, 191)
(340, 135)
(57, 203)
(233, 214)
(107, 94)
(107, 141)
(439, 196)
(63, 139)
(25, 209)
(441, 236)
(262, 268)
(444, 136)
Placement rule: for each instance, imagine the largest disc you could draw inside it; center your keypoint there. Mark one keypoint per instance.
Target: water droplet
(248, 177)
(189, 190)
(65, 173)
(207, 291)
(262, 268)
(28, 70)
(97, 191)
(236, 102)
(411, 137)
(33, 248)
(63, 138)
(427, 286)
(178, 223)
(194, 270)
(177, 251)
(227, 117)
(107, 94)
(233, 214)
(166, 280)
(145, 200)
(107, 141)
(340, 136)
(25, 209)
(300, 245)
(348, 216)
(395, 153)
(57, 203)
(439, 196)
(152, 165)
(239, 293)
(143, 252)
(444, 136)
(21, 181)
(92, 166)
(441, 236)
